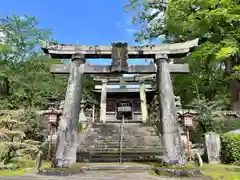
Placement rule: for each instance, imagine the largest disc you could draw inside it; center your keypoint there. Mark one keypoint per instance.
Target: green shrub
(230, 150)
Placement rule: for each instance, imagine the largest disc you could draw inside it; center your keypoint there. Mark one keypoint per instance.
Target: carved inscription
(119, 57)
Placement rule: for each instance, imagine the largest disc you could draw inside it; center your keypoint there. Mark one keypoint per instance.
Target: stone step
(116, 150)
(105, 132)
(117, 144)
(125, 121)
(117, 141)
(117, 147)
(138, 137)
(117, 159)
(116, 167)
(125, 128)
(110, 132)
(126, 139)
(137, 134)
(123, 143)
(117, 135)
(118, 126)
(101, 144)
(105, 136)
(114, 157)
(125, 136)
(107, 148)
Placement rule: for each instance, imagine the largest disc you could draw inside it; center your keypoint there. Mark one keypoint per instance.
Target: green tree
(27, 69)
(214, 22)
(20, 37)
(13, 139)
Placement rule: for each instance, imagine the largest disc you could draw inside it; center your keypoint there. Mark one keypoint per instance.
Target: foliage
(215, 23)
(34, 125)
(20, 37)
(44, 148)
(154, 116)
(230, 148)
(13, 137)
(31, 84)
(27, 70)
(230, 124)
(207, 120)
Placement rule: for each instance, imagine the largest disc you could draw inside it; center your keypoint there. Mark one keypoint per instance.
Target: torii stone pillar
(168, 114)
(103, 101)
(143, 102)
(67, 132)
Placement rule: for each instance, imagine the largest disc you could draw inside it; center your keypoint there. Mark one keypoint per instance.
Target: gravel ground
(98, 176)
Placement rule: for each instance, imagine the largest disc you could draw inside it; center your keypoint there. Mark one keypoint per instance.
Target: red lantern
(52, 118)
(188, 120)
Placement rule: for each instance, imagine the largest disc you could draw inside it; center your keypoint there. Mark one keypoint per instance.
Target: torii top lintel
(67, 50)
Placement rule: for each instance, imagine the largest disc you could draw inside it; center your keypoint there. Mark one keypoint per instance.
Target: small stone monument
(212, 147)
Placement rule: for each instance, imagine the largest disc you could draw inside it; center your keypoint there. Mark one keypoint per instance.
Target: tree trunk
(4, 86)
(234, 84)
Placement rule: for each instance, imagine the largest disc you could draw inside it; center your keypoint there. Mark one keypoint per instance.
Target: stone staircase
(102, 143)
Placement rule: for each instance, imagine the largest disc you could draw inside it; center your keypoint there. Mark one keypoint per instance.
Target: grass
(16, 172)
(221, 171)
(26, 166)
(74, 167)
(216, 171)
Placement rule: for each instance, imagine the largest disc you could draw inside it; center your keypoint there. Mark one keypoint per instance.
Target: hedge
(230, 148)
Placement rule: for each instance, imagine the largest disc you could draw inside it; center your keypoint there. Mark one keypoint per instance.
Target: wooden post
(67, 132)
(168, 114)
(143, 102)
(103, 101)
(93, 113)
(189, 146)
(50, 144)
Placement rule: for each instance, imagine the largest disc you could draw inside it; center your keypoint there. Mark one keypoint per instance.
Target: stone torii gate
(123, 82)
(119, 52)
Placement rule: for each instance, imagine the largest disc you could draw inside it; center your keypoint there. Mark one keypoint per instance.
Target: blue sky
(90, 22)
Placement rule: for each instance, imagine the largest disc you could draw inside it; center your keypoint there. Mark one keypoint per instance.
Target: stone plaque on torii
(119, 52)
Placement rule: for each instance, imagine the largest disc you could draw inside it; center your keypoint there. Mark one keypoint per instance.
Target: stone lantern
(53, 118)
(82, 117)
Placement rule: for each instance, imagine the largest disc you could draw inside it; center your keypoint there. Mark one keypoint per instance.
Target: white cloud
(130, 30)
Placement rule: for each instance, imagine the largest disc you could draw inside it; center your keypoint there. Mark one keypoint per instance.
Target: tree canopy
(26, 68)
(216, 24)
